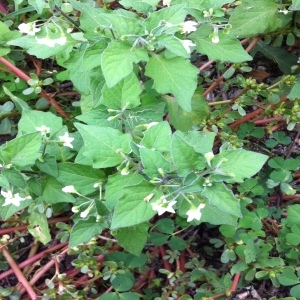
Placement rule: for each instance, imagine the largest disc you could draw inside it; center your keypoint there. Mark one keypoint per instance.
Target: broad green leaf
(201, 141)
(158, 137)
(183, 120)
(227, 49)
(22, 151)
(123, 282)
(284, 59)
(132, 239)
(174, 14)
(143, 6)
(104, 145)
(293, 238)
(252, 18)
(239, 164)
(221, 197)
(173, 44)
(29, 43)
(293, 214)
(48, 165)
(133, 209)
(165, 225)
(52, 192)
(116, 185)
(288, 277)
(295, 290)
(84, 230)
(19, 103)
(38, 227)
(32, 118)
(168, 78)
(80, 64)
(38, 5)
(295, 6)
(14, 177)
(117, 61)
(124, 94)
(82, 177)
(184, 156)
(152, 161)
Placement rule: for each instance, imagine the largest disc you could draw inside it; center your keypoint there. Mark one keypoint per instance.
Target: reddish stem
(3, 8)
(265, 121)
(19, 274)
(43, 93)
(166, 263)
(182, 261)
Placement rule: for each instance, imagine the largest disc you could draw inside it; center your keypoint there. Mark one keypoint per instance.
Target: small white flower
(11, 198)
(284, 11)
(215, 39)
(188, 26)
(75, 209)
(209, 156)
(43, 129)
(69, 189)
(195, 212)
(96, 185)
(167, 2)
(84, 213)
(187, 44)
(66, 140)
(163, 205)
(124, 172)
(28, 28)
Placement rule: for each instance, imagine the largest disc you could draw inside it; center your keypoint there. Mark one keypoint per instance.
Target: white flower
(195, 212)
(187, 44)
(215, 39)
(284, 11)
(167, 2)
(188, 26)
(43, 129)
(162, 206)
(28, 28)
(124, 172)
(11, 199)
(66, 140)
(69, 189)
(209, 156)
(84, 213)
(51, 42)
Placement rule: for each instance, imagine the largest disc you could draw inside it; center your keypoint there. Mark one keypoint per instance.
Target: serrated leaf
(220, 196)
(132, 239)
(22, 151)
(52, 191)
(124, 94)
(252, 18)
(132, 209)
(32, 118)
(102, 143)
(82, 177)
(167, 76)
(117, 61)
(239, 163)
(84, 230)
(227, 49)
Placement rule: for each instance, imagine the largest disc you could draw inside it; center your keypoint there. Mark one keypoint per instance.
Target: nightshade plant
(140, 142)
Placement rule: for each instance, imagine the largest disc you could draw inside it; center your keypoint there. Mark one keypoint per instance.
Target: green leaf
(167, 76)
(239, 163)
(124, 94)
(158, 239)
(123, 282)
(132, 209)
(22, 151)
(117, 61)
(173, 44)
(288, 277)
(293, 214)
(32, 118)
(152, 161)
(116, 185)
(143, 6)
(183, 120)
(227, 49)
(132, 239)
(165, 225)
(14, 177)
(293, 238)
(38, 5)
(48, 165)
(295, 6)
(19, 103)
(82, 177)
(52, 192)
(38, 227)
(185, 157)
(284, 59)
(158, 137)
(295, 290)
(101, 145)
(177, 243)
(84, 230)
(9, 210)
(252, 18)
(220, 196)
